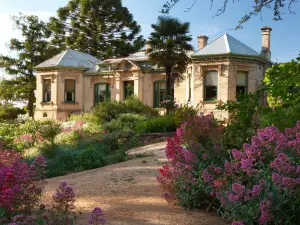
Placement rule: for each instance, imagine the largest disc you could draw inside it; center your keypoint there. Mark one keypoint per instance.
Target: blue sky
(285, 44)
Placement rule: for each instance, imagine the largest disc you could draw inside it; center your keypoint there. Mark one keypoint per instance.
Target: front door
(128, 88)
(102, 92)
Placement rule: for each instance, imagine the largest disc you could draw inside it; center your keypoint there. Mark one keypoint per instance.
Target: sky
(285, 44)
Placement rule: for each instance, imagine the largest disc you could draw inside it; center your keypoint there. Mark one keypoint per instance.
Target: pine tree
(30, 51)
(100, 28)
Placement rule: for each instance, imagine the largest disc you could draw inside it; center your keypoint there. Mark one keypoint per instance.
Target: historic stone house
(74, 82)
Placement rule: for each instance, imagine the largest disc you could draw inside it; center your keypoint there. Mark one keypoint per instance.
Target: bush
(124, 123)
(157, 124)
(110, 110)
(181, 177)
(20, 184)
(183, 112)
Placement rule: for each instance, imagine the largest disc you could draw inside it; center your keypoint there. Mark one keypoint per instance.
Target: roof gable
(226, 44)
(71, 58)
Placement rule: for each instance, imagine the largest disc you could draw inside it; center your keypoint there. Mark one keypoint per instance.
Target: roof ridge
(64, 53)
(242, 43)
(227, 42)
(209, 43)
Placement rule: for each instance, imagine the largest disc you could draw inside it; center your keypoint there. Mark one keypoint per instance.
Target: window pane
(241, 78)
(70, 90)
(211, 78)
(69, 85)
(47, 90)
(211, 93)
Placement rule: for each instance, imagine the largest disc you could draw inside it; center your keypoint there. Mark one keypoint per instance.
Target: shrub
(264, 178)
(157, 124)
(107, 111)
(124, 123)
(20, 184)
(244, 119)
(189, 152)
(183, 112)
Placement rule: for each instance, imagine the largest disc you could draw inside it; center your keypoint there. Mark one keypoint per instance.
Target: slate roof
(71, 59)
(226, 44)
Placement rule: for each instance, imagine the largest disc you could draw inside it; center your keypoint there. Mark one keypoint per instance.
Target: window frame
(246, 85)
(44, 100)
(125, 93)
(156, 93)
(204, 96)
(65, 96)
(190, 87)
(107, 92)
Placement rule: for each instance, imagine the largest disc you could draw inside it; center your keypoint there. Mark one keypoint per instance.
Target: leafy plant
(282, 83)
(110, 110)
(183, 112)
(157, 124)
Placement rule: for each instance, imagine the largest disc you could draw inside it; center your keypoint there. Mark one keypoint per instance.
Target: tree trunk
(168, 86)
(31, 100)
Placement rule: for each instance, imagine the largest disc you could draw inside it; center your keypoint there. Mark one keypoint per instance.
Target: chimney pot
(202, 41)
(266, 42)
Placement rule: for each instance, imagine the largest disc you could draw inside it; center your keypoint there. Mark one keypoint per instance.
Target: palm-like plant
(168, 47)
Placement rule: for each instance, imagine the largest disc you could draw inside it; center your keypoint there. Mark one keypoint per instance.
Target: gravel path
(128, 193)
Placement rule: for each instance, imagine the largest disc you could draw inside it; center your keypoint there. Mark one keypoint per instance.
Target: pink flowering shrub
(190, 151)
(20, 184)
(262, 180)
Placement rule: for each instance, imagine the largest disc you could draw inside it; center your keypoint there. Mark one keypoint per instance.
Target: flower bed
(259, 184)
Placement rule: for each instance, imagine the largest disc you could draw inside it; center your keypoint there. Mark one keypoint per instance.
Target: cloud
(8, 30)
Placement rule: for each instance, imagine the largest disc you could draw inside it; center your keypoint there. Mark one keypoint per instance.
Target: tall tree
(32, 49)
(102, 28)
(169, 45)
(278, 6)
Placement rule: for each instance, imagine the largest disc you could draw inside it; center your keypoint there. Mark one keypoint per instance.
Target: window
(128, 88)
(46, 90)
(102, 92)
(241, 83)
(160, 93)
(70, 90)
(211, 86)
(190, 86)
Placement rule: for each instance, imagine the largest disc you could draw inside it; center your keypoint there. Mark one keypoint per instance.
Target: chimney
(266, 43)
(147, 47)
(202, 41)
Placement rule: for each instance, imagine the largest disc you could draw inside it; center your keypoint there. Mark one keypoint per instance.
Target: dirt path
(128, 193)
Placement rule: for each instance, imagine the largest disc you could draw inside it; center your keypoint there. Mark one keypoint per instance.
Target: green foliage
(110, 110)
(103, 29)
(183, 113)
(49, 129)
(157, 124)
(10, 112)
(31, 50)
(244, 120)
(280, 117)
(92, 125)
(169, 44)
(8, 133)
(124, 122)
(282, 82)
